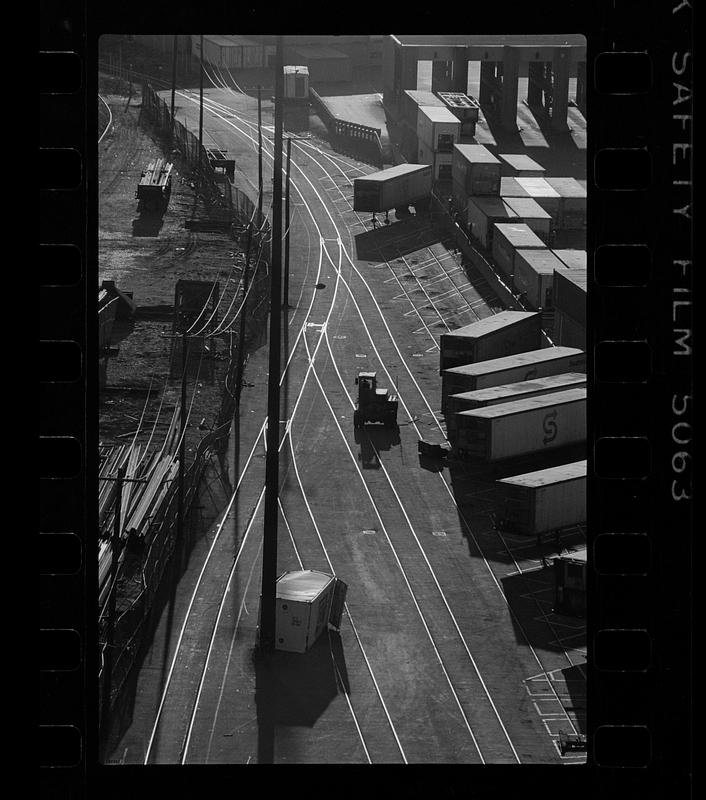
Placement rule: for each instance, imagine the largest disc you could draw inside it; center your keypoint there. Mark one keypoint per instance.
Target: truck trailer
(520, 367)
(505, 393)
(396, 187)
(522, 427)
(543, 500)
(498, 335)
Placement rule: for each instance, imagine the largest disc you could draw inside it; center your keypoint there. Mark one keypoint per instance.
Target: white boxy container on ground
(519, 165)
(574, 259)
(544, 500)
(475, 169)
(532, 214)
(306, 601)
(507, 392)
(521, 427)
(510, 369)
(501, 334)
(392, 187)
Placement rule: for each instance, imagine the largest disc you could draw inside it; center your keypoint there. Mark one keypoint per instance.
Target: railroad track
(417, 570)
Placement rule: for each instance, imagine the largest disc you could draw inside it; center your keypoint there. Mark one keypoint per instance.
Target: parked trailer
(495, 336)
(537, 188)
(395, 187)
(543, 500)
(475, 169)
(510, 369)
(521, 427)
(505, 393)
(155, 186)
(534, 276)
(508, 237)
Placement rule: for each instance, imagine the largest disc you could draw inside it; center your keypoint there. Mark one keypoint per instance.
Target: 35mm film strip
(639, 77)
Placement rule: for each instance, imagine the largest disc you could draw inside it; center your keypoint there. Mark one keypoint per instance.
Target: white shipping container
(303, 604)
(296, 82)
(480, 398)
(521, 427)
(534, 276)
(545, 194)
(509, 237)
(543, 500)
(510, 369)
(497, 335)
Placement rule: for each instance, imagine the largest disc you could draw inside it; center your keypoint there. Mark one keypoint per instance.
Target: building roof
(493, 40)
(315, 52)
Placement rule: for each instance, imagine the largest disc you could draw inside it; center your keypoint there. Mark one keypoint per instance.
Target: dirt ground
(145, 257)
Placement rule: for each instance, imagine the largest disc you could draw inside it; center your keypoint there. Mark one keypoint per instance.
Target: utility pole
(269, 552)
(259, 156)
(241, 335)
(200, 109)
(174, 68)
(110, 632)
(285, 301)
(182, 443)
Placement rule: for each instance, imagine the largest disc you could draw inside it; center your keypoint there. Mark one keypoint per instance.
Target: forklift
(374, 405)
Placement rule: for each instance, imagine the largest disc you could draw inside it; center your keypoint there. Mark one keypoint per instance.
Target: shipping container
(410, 102)
(498, 335)
(507, 239)
(572, 214)
(543, 500)
(519, 165)
(569, 293)
(466, 108)
(509, 187)
(573, 259)
(480, 398)
(521, 427)
(296, 82)
(545, 194)
(534, 276)
(440, 163)
(438, 128)
(482, 212)
(306, 601)
(476, 169)
(567, 332)
(524, 366)
(532, 214)
(394, 187)
(570, 583)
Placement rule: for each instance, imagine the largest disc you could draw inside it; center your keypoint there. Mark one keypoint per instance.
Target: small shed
(306, 602)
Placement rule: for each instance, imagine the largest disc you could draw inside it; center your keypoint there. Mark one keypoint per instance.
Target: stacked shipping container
(534, 276)
(507, 239)
(438, 131)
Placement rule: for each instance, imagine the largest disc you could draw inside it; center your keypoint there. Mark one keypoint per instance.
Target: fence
(186, 143)
(350, 138)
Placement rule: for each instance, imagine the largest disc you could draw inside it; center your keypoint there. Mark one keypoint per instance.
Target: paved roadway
(448, 651)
